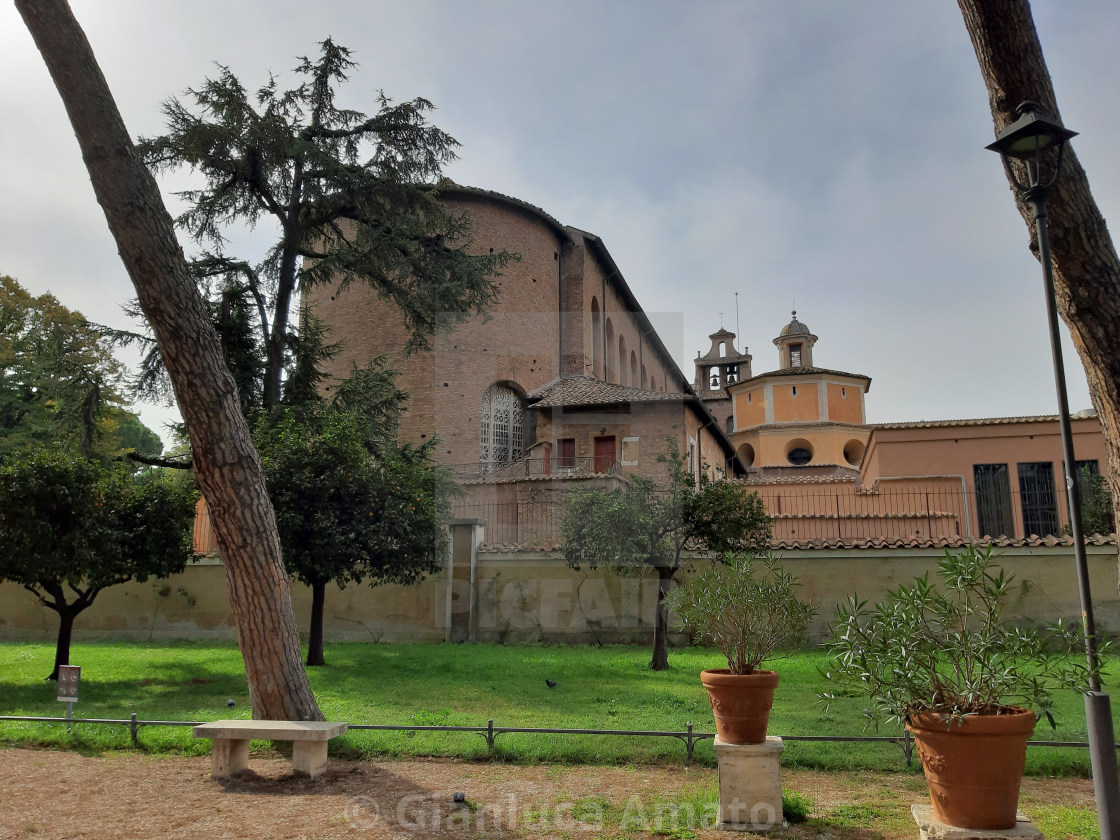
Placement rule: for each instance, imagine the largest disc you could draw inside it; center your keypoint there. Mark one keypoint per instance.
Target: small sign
(69, 677)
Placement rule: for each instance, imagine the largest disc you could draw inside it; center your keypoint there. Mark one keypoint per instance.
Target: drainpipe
(964, 493)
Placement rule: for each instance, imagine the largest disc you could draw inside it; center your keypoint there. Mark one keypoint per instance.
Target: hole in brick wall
(491, 250)
(444, 384)
(534, 279)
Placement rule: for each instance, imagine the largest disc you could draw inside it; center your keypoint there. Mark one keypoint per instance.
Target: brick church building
(563, 378)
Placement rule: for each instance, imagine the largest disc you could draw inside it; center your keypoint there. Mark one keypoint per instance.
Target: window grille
(1036, 491)
(993, 500)
(502, 429)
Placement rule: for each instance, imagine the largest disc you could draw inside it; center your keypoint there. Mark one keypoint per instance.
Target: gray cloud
(825, 153)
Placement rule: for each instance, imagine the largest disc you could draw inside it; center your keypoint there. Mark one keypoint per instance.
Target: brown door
(567, 452)
(604, 454)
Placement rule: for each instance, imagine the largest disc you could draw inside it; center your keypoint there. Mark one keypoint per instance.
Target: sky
(805, 154)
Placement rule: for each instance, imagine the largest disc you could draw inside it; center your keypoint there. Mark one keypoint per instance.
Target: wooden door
(604, 454)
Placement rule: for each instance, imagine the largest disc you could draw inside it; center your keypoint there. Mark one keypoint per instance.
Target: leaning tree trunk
(225, 462)
(315, 637)
(1086, 267)
(660, 660)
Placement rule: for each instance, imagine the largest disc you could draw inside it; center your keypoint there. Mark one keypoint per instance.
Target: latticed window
(993, 500)
(502, 437)
(1036, 492)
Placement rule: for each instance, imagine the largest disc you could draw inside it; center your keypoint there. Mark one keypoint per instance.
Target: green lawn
(597, 688)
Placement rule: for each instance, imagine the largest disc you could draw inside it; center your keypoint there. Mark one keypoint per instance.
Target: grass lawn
(424, 684)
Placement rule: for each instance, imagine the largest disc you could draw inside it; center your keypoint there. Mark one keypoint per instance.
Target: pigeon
(230, 702)
(551, 683)
(459, 798)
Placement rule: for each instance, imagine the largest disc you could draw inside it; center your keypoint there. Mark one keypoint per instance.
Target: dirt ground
(49, 794)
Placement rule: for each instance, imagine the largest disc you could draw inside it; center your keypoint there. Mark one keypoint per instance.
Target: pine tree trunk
(225, 462)
(660, 660)
(66, 616)
(315, 637)
(1086, 266)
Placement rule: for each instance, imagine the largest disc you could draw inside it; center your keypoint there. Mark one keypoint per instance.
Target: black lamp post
(1038, 144)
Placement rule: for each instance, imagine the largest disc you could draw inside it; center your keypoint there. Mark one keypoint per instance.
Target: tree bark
(1086, 266)
(66, 616)
(225, 462)
(660, 660)
(315, 637)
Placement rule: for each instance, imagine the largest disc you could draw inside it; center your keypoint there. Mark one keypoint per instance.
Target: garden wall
(533, 596)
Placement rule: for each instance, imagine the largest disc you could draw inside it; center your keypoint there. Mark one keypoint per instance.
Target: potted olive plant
(746, 607)
(968, 684)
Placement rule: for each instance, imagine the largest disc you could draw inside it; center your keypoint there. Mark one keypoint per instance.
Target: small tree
(641, 525)
(67, 523)
(345, 514)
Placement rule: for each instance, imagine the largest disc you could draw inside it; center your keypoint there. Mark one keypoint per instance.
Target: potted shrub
(968, 684)
(747, 608)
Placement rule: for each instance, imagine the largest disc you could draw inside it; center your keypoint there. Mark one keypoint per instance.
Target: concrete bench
(230, 752)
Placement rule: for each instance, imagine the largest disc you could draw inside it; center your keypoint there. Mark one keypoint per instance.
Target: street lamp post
(1038, 143)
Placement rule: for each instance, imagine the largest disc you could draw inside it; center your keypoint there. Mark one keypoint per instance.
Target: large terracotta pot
(741, 703)
(974, 768)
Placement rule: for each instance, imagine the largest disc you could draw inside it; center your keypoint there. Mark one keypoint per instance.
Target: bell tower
(721, 366)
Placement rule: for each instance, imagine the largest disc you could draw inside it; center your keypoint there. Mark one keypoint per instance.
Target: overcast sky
(804, 152)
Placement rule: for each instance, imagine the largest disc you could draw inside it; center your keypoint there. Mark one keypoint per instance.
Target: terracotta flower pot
(974, 769)
(741, 703)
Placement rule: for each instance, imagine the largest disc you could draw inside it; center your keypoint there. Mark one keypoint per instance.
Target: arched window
(609, 374)
(622, 360)
(596, 340)
(730, 424)
(634, 369)
(645, 381)
(502, 433)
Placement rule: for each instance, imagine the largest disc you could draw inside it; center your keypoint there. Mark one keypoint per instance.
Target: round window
(800, 456)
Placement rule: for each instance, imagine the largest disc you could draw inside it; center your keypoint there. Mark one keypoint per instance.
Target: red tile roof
(982, 421)
(585, 390)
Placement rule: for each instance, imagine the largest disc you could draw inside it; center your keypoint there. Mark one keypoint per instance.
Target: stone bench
(230, 752)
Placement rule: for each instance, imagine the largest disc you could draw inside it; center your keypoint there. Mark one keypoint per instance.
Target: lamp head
(1027, 139)
(1031, 133)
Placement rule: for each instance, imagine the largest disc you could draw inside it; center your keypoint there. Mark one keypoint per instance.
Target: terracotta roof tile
(872, 543)
(804, 371)
(981, 421)
(586, 390)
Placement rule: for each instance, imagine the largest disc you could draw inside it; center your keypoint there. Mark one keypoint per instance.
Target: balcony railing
(553, 467)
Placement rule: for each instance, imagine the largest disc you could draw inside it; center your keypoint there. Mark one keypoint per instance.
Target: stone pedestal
(930, 828)
(750, 785)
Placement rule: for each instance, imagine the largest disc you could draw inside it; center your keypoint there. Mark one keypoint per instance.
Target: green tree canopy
(642, 525)
(60, 382)
(354, 198)
(70, 527)
(345, 515)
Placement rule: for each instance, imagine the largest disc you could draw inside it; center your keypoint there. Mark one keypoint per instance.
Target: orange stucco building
(825, 474)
